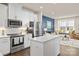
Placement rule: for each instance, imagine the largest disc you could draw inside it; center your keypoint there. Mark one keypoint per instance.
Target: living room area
(68, 27)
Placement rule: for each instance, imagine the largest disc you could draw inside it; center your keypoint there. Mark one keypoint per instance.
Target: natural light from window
(65, 26)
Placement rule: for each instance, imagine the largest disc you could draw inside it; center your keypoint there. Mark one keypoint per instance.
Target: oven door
(17, 41)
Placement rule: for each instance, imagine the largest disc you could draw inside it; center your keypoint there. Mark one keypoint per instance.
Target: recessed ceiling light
(41, 7)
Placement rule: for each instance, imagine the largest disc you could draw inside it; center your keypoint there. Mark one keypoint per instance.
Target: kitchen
(13, 25)
(21, 26)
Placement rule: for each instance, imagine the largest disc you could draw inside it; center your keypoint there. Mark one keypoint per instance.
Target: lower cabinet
(26, 41)
(4, 45)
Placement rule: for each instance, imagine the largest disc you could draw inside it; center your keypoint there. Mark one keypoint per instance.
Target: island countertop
(45, 38)
(47, 45)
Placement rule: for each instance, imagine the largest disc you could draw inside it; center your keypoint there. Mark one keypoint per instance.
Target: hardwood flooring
(64, 51)
(69, 51)
(24, 52)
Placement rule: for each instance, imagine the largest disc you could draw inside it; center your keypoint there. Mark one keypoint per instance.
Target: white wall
(56, 24)
(77, 24)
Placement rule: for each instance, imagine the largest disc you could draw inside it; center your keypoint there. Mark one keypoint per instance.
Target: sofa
(74, 35)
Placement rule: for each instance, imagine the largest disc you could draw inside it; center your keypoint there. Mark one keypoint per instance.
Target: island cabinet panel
(36, 48)
(45, 47)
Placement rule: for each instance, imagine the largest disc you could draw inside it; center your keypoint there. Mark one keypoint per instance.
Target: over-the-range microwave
(14, 23)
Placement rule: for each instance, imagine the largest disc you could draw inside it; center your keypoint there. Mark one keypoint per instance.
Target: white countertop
(45, 38)
(3, 36)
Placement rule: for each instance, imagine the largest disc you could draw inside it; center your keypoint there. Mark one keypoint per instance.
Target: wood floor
(64, 51)
(24, 52)
(69, 51)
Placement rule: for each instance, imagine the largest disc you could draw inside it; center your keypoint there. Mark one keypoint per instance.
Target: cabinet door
(3, 15)
(4, 46)
(15, 11)
(26, 41)
(11, 11)
(18, 12)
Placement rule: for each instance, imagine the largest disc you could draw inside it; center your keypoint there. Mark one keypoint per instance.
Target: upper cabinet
(11, 11)
(3, 15)
(15, 11)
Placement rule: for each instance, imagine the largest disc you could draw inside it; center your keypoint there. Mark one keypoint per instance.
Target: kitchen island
(47, 45)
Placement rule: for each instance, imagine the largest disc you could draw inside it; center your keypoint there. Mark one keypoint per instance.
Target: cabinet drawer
(4, 40)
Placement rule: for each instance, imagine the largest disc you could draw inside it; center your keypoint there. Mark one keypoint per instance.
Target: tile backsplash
(5, 31)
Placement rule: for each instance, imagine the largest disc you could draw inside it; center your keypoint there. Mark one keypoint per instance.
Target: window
(65, 26)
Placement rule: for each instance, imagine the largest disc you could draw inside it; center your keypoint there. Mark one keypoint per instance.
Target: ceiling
(54, 9)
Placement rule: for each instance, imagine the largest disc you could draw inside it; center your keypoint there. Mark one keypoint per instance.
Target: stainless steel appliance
(14, 23)
(17, 42)
(16, 39)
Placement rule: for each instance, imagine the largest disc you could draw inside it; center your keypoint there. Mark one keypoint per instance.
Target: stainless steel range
(16, 39)
(17, 42)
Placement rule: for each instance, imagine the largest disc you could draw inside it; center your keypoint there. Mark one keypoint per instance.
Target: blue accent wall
(46, 19)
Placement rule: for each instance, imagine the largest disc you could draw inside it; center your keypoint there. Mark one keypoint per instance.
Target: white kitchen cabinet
(15, 11)
(11, 11)
(5, 45)
(3, 15)
(26, 41)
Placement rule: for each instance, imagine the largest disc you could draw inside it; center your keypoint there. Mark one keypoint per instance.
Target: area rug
(70, 42)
